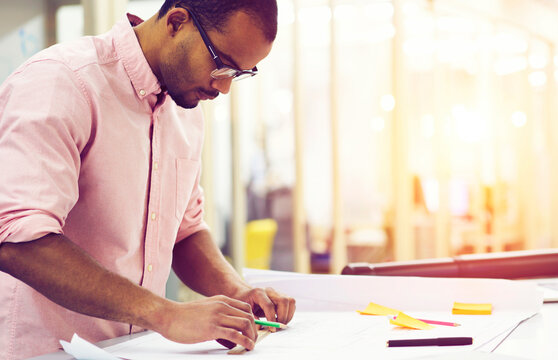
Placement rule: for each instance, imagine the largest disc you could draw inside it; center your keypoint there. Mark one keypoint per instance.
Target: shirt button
(156, 165)
(142, 92)
(153, 216)
(149, 267)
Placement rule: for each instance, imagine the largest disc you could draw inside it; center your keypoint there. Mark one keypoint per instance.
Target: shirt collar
(129, 51)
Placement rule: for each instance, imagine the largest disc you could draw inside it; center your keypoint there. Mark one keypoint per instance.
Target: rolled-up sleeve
(45, 123)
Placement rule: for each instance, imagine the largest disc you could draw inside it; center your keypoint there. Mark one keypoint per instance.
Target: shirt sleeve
(193, 217)
(45, 123)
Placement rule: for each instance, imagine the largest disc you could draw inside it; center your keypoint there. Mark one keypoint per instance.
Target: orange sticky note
(471, 309)
(407, 321)
(375, 309)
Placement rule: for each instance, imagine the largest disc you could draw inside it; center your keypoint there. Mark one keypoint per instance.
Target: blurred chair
(259, 236)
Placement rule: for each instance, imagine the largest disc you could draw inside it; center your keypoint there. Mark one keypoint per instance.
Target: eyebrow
(229, 59)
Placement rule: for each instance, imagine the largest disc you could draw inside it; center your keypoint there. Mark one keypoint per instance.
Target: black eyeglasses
(223, 71)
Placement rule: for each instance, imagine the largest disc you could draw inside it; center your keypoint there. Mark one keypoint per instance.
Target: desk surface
(535, 338)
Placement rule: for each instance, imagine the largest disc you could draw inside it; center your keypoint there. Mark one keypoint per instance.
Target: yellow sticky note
(375, 309)
(407, 321)
(471, 309)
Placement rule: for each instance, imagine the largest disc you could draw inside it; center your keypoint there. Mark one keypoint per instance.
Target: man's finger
(240, 305)
(281, 305)
(285, 305)
(246, 326)
(267, 305)
(292, 308)
(235, 337)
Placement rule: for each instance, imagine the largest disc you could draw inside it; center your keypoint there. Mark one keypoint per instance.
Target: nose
(222, 85)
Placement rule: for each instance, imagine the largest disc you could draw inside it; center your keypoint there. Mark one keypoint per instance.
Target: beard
(181, 101)
(172, 80)
(176, 76)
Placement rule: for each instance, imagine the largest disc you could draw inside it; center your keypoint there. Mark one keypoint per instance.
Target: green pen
(271, 324)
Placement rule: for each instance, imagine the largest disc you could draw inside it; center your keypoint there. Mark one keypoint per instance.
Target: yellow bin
(259, 236)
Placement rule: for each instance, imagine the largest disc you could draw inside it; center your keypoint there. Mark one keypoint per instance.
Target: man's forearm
(57, 268)
(64, 273)
(199, 263)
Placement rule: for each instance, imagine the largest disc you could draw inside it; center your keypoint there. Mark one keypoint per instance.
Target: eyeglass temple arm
(208, 42)
(205, 38)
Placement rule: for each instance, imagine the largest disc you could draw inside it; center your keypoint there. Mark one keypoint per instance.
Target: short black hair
(213, 14)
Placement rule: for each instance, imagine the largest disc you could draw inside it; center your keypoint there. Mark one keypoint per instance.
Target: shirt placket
(150, 261)
(153, 221)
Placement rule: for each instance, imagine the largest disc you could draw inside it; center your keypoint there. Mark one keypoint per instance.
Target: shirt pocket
(186, 175)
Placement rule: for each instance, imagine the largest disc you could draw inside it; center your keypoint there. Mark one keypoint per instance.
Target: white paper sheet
(336, 292)
(470, 355)
(329, 335)
(346, 292)
(84, 350)
(326, 325)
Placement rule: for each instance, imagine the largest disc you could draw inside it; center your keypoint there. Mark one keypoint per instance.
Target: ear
(177, 18)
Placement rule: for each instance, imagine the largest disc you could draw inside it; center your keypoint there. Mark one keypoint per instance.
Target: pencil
(436, 322)
(433, 322)
(271, 324)
(447, 341)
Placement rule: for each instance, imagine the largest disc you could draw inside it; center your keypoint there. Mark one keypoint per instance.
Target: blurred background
(375, 131)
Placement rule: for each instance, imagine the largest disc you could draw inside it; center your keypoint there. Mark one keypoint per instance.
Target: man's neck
(147, 34)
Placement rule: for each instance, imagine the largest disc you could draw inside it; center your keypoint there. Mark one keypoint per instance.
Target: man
(100, 144)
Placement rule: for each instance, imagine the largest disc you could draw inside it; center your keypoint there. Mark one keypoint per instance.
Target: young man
(100, 146)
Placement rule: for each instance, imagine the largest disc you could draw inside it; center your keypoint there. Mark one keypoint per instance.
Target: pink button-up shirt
(91, 148)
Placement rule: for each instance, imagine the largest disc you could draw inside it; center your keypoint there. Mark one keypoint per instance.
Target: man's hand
(198, 262)
(217, 317)
(275, 306)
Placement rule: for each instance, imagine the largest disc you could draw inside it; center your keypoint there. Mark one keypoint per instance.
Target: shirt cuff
(29, 227)
(191, 230)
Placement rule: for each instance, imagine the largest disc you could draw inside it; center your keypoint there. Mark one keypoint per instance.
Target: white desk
(535, 338)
